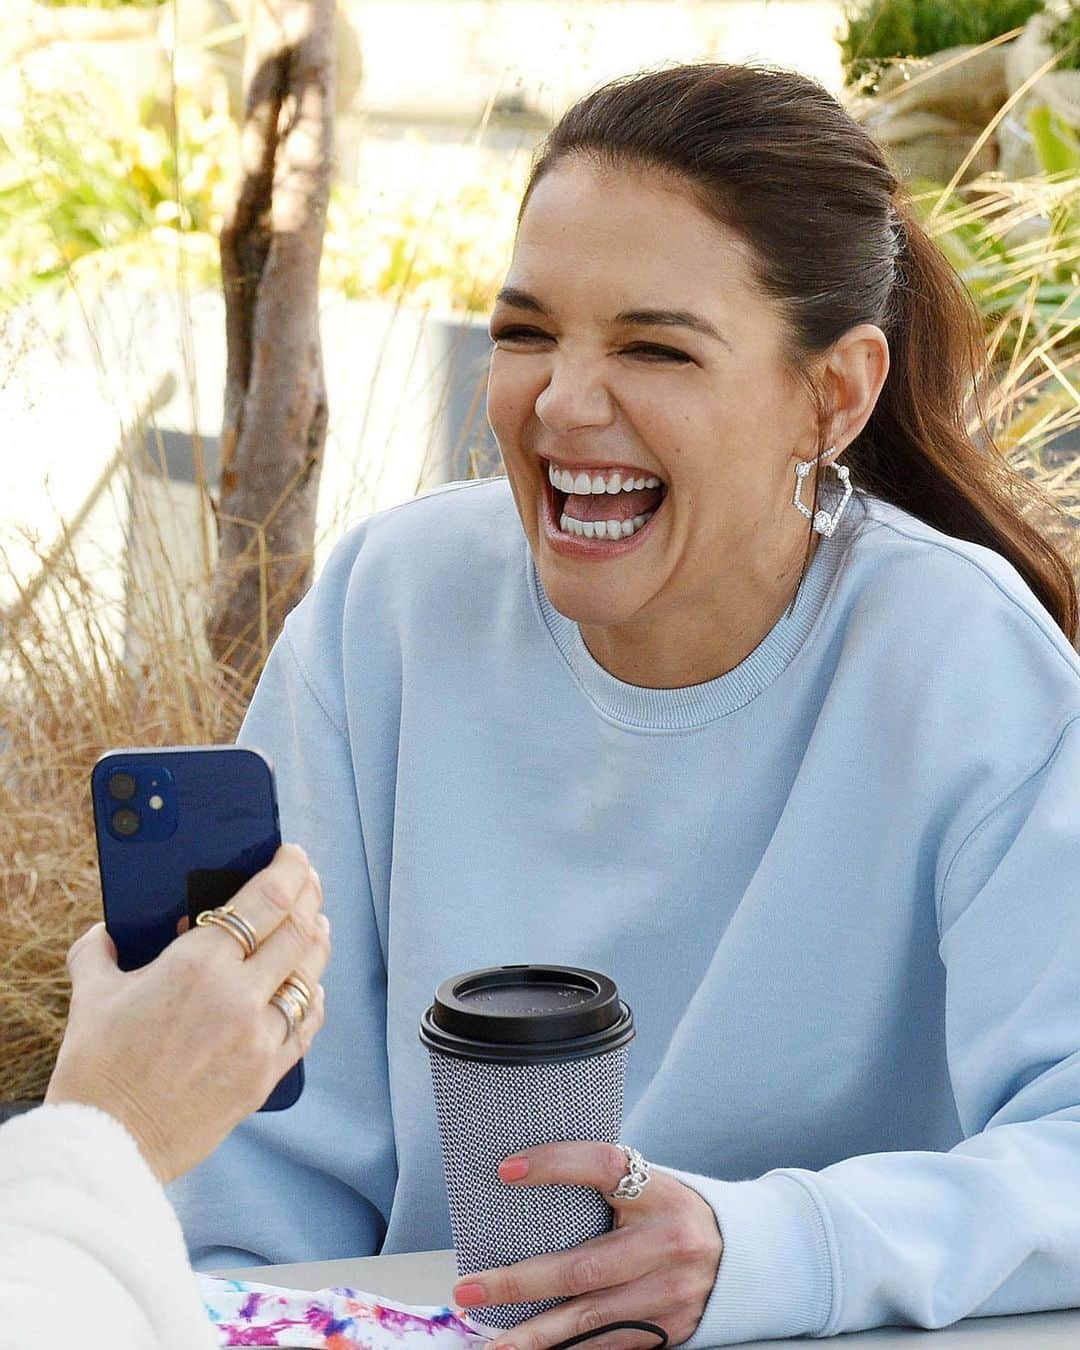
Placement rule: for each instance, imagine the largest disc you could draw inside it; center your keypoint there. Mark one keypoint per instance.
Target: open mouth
(607, 505)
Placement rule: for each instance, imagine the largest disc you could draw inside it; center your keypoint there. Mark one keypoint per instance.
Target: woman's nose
(574, 397)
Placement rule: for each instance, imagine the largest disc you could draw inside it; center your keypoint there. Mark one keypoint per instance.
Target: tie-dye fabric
(331, 1319)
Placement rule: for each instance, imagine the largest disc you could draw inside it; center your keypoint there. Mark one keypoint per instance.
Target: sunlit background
(440, 103)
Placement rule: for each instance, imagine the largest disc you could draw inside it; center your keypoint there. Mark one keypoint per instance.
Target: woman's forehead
(577, 182)
(608, 221)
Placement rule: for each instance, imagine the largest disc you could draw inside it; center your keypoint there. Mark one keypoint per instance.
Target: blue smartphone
(180, 830)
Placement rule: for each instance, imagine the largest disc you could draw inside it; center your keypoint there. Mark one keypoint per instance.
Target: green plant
(444, 245)
(1016, 246)
(881, 31)
(1064, 37)
(90, 190)
(1056, 143)
(79, 176)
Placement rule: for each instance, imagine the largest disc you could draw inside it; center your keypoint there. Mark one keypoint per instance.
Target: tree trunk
(274, 425)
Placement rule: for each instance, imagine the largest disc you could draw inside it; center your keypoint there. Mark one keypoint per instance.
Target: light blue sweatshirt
(838, 886)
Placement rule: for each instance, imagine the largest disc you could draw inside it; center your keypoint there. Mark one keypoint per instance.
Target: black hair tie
(650, 1327)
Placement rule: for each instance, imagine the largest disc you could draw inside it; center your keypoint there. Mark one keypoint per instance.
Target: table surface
(427, 1277)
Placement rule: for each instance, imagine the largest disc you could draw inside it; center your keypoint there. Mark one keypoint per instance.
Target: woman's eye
(516, 333)
(665, 353)
(650, 351)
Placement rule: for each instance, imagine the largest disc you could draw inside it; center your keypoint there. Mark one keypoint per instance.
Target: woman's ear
(855, 372)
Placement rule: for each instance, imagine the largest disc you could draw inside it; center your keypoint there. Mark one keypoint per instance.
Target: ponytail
(915, 451)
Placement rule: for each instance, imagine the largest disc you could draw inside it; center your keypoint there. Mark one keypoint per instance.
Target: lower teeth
(604, 529)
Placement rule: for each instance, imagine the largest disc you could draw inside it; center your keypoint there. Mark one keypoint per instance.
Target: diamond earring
(823, 522)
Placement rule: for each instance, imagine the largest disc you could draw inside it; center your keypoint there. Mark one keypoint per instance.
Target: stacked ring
(227, 917)
(295, 983)
(292, 999)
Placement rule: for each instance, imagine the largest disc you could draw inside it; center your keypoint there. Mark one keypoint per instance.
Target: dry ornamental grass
(66, 696)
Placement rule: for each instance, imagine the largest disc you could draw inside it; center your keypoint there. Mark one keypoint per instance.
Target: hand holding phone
(179, 831)
(182, 1051)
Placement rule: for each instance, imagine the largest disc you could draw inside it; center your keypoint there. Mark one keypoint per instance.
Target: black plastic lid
(526, 1015)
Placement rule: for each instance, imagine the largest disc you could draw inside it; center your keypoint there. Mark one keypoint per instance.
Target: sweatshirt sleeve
(315, 1181)
(993, 1225)
(91, 1253)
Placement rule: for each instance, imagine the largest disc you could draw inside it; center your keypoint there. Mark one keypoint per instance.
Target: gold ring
(233, 913)
(300, 1002)
(301, 990)
(227, 918)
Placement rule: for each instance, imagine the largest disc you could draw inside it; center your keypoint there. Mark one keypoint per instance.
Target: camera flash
(156, 803)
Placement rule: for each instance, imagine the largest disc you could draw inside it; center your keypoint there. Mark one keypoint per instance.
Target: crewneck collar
(697, 705)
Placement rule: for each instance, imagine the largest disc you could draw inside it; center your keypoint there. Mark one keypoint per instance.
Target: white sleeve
(91, 1253)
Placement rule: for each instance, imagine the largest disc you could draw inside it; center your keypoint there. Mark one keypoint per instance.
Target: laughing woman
(749, 686)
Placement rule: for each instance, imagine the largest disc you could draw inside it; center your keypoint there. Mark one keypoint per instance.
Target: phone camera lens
(122, 787)
(125, 822)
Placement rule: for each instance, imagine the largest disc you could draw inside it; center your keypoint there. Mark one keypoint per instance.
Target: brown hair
(773, 156)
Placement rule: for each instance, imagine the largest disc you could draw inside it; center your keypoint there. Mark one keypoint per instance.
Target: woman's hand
(181, 1050)
(659, 1265)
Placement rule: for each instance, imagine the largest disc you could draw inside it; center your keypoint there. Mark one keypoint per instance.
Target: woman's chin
(585, 602)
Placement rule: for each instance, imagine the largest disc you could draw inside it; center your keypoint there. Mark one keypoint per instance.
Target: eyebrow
(667, 318)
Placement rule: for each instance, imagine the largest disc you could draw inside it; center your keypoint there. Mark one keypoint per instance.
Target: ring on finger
(636, 1178)
(299, 988)
(228, 918)
(296, 991)
(290, 1007)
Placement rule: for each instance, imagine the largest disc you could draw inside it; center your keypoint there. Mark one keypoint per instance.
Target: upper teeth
(583, 483)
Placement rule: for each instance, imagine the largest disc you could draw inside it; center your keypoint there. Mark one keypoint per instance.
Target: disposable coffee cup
(523, 1055)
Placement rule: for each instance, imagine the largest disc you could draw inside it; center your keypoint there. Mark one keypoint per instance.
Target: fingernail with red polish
(513, 1169)
(468, 1295)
